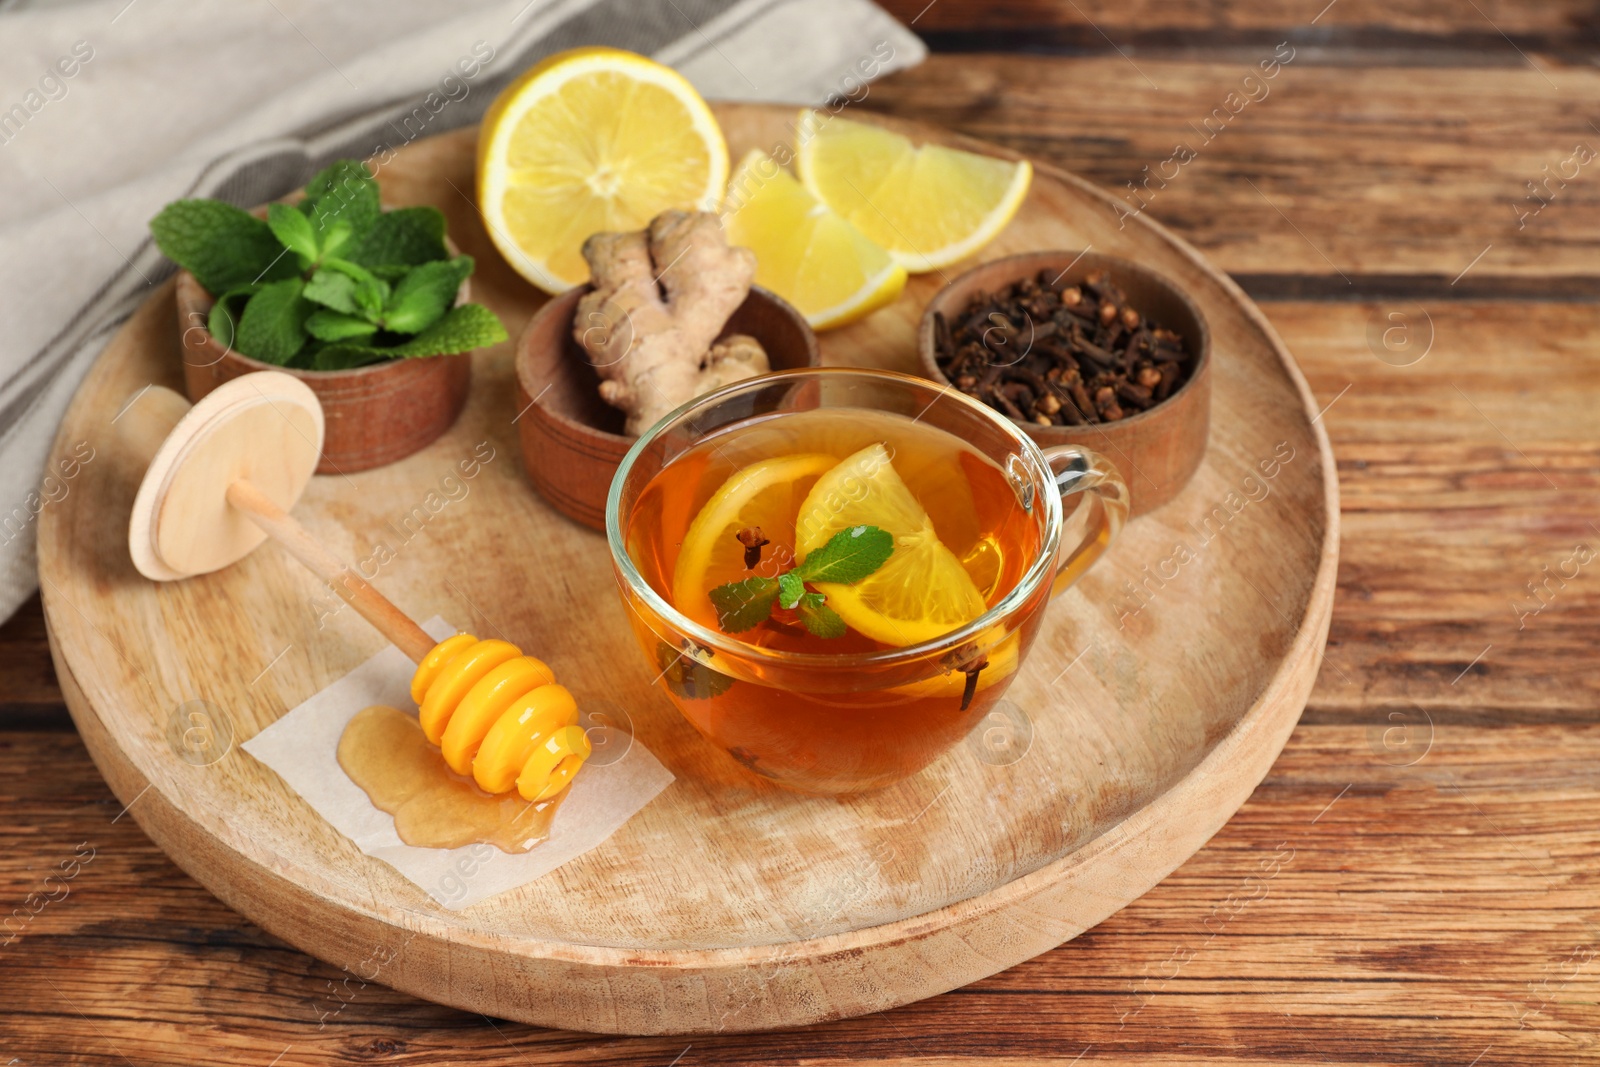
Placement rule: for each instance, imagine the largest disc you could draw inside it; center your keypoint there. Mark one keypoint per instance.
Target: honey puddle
(385, 752)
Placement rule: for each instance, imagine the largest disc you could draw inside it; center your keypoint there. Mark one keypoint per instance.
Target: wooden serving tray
(1138, 726)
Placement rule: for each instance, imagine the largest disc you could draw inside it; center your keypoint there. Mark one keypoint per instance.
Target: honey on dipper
(488, 758)
(499, 716)
(496, 743)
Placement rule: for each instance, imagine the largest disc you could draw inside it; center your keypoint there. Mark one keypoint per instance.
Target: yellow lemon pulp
(592, 140)
(922, 591)
(806, 253)
(929, 206)
(764, 494)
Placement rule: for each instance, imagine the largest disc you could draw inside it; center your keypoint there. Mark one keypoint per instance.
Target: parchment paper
(302, 747)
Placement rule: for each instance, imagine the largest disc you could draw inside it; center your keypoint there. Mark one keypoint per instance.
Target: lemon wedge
(929, 206)
(763, 494)
(805, 253)
(592, 140)
(922, 591)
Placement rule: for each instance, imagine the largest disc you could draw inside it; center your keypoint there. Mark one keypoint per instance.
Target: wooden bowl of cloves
(1081, 348)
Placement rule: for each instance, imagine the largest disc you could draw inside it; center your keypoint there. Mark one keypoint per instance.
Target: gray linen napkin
(111, 108)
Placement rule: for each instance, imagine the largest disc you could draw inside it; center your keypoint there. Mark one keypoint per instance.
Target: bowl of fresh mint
(369, 306)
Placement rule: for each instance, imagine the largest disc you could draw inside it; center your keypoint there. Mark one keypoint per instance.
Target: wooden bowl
(572, 441)
(1158, 450)
(375, 414)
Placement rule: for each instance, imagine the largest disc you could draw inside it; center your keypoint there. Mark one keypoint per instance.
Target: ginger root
(661, 296)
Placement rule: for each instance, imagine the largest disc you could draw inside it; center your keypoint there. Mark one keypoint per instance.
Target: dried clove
(1060, 356)
(750, 537)
(969, 661)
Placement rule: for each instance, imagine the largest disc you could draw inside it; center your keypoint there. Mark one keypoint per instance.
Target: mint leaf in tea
(741, 605)
(849, 556)
(819, 619)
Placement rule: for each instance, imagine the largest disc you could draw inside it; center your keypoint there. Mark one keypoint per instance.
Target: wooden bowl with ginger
(670, 314)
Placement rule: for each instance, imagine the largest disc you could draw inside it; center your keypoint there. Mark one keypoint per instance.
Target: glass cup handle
(1078, 470)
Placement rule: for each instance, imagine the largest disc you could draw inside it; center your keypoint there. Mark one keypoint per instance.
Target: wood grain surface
(1339, 181)
(1441, 792)
(1570, 20)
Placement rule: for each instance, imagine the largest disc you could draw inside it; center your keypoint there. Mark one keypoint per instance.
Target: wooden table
(1439, 805)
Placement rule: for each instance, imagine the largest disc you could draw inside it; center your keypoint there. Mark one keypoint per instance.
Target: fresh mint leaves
(791, 587)
(328, 325)
(404, 237)
(272, 328)
(345, 189)
(222, 246)
(333, 289)
(741, 605)
(461, 330)
(419, 299)
(293, 230)
(224, 318)
(819, 619)
(331, 282)
(847, 557)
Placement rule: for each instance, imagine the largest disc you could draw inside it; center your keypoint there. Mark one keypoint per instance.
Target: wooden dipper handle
(257, 433)
(351, 587)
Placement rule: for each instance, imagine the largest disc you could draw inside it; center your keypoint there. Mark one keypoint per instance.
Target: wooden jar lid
(266, 428)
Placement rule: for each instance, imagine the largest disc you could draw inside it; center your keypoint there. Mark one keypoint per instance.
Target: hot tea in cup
(838, 573)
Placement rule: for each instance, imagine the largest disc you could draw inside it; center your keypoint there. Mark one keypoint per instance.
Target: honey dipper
(222, 479)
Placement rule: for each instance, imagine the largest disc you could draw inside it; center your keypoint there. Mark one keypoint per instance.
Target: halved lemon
(805, 253)
(592, 140)
(929, 206)
(922, 591)
(763, 494)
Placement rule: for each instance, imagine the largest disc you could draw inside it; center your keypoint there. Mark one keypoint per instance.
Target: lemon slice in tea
(763, 494)
(922, 591)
